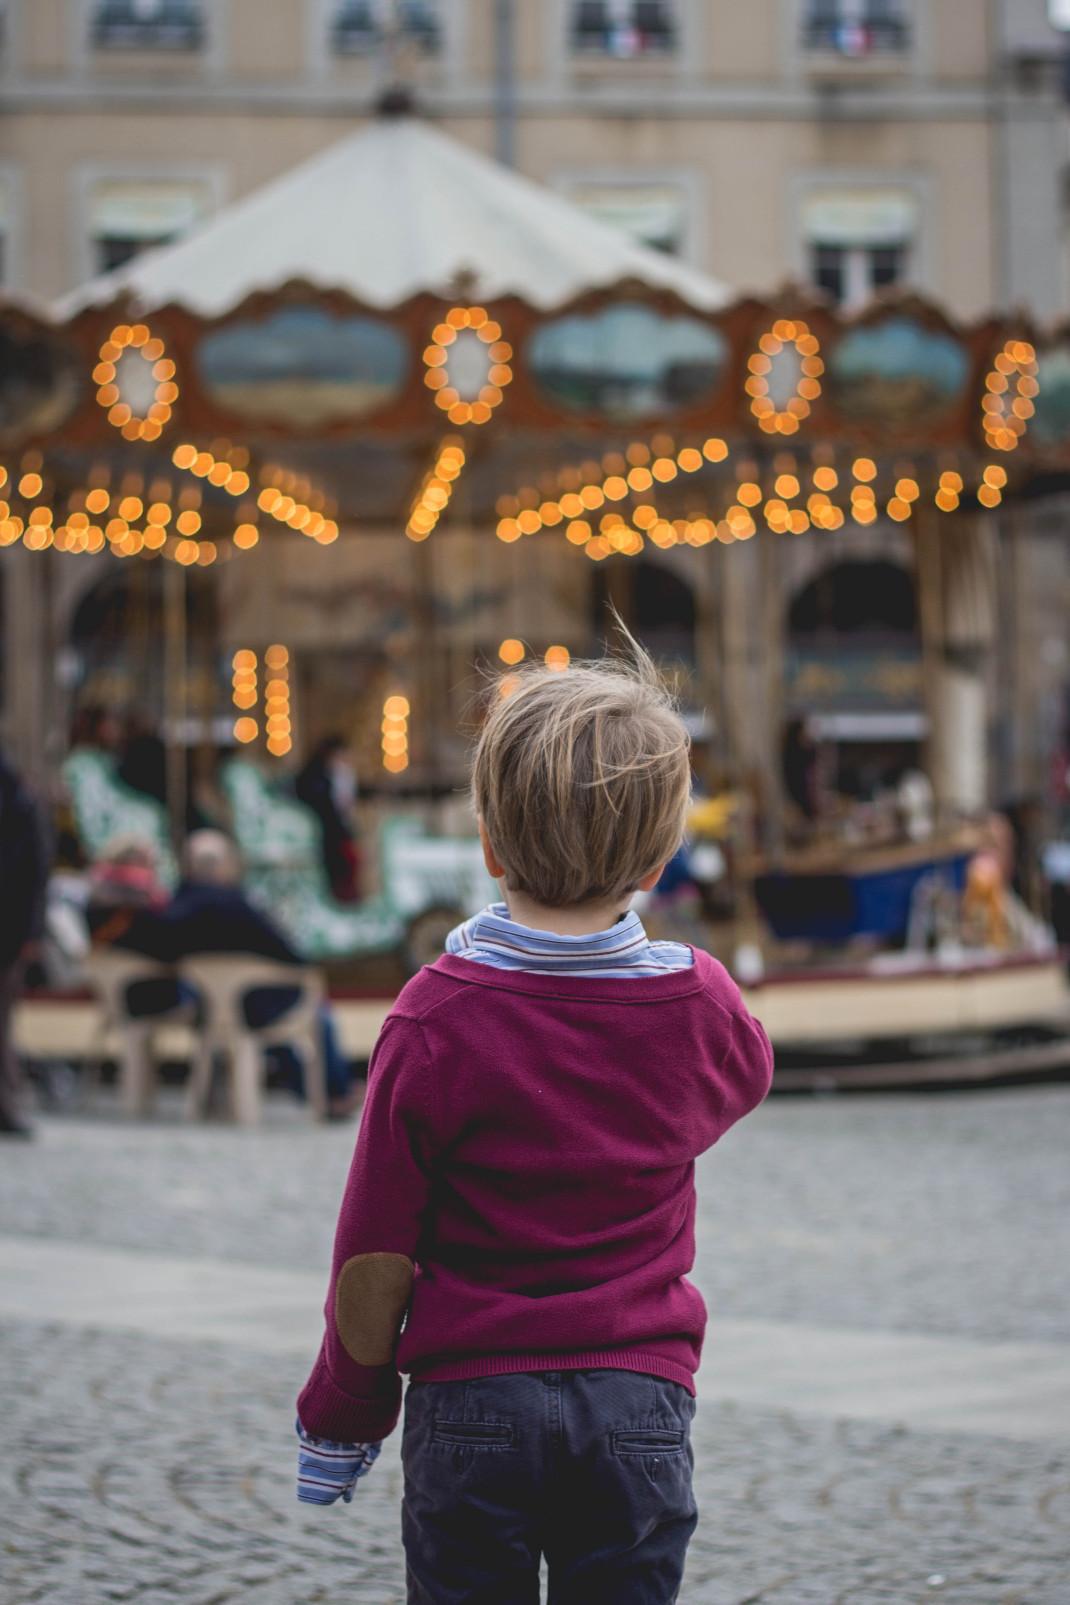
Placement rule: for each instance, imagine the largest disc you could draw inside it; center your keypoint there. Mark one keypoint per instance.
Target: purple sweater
(522, 1192)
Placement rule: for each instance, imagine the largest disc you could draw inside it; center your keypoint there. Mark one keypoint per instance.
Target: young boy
(518, 1222)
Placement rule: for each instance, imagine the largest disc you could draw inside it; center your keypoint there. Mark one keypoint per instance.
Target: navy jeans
(590, 1468)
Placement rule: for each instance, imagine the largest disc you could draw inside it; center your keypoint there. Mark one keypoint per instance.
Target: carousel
(403, 416)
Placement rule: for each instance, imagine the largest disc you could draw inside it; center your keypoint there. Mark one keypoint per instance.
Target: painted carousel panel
(897, 375)
(1051, 422)
(626, 361)
(303, 365)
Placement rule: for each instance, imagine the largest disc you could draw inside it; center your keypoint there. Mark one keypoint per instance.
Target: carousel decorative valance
(400, 328)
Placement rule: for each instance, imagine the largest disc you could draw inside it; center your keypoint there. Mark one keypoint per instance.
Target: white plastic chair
(111, 973)
(223, 982)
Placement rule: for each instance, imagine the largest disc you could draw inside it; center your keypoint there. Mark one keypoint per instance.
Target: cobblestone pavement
(144, 1469)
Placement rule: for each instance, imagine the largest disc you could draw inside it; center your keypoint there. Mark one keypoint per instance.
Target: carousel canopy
(391, 211)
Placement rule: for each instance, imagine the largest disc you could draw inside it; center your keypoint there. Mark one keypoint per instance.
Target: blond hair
(582, 779)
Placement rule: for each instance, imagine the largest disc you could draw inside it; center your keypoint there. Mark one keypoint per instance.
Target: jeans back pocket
(474, 1434)
(647, 1440)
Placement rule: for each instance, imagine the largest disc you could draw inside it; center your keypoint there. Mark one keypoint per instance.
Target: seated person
(210, 913)
(126, 878)
(126, 900)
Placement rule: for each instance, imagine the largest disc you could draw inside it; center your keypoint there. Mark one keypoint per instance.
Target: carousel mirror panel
(303, 366)
(626, 361)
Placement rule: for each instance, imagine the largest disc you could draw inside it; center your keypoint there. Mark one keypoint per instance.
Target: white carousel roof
(396, 209)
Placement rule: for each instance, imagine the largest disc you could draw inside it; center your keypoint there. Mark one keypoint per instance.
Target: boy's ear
(648, 882)
(495, 867)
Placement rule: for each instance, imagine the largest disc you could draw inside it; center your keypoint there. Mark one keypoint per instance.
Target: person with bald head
(210, 914)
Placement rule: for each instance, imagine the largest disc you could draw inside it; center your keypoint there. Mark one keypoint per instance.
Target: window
(5, 226)
(850, 274)
(859, 242)
(126, 218)
(362, 26)
(653, 214)
(856, 28)
(148, 25)
(623, 27)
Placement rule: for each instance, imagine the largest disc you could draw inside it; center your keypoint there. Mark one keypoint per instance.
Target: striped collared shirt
(623, 951)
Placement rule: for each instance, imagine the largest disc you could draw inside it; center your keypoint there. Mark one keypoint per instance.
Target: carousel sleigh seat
(429, 883)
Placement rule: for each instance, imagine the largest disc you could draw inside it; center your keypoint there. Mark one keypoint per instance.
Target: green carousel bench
(428, 883)
(105, 808)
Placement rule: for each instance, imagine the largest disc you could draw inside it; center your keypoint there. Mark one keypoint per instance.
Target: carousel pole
(927, 565)
(427, 657)
(735, 647)
(505, 82)
(708, 642)
(770, 569)
(175, 670)
(1023, 774)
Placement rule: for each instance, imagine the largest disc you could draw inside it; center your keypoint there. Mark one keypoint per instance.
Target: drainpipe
(999, 155)
(505, 82)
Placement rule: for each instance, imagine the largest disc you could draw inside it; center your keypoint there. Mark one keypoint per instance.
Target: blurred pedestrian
(24, 864)
(143, 759)
(97, 727)
(328, 785)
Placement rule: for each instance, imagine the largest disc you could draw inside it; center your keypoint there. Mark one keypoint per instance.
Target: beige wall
(958, 38)
(742, 41)
(44, 36)
(252, 50)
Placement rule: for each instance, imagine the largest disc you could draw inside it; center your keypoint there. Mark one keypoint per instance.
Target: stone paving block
(126, 1481)
(146, 1470)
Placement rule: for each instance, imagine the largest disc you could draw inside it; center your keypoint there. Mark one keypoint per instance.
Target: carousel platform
(911, 1020)
(900, 1020)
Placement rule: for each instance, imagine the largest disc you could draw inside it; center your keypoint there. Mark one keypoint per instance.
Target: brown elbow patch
(370, 1299)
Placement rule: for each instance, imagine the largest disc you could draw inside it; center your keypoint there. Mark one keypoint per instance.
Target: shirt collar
(625, 942)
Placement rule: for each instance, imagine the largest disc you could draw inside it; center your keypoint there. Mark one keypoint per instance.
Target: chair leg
(315, 1074)
(137, 1071)
(246, 1069)
(199, 1085)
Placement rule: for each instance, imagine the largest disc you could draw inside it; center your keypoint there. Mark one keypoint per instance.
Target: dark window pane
(654, 25)
(148, 24)
(828, 269)
(358, 26)
(880, 25)
(115, 250)
(591, 25)
(645, 27)
(887, 264)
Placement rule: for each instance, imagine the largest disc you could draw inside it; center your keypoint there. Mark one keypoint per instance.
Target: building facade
(861, 146)
(855, 143)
